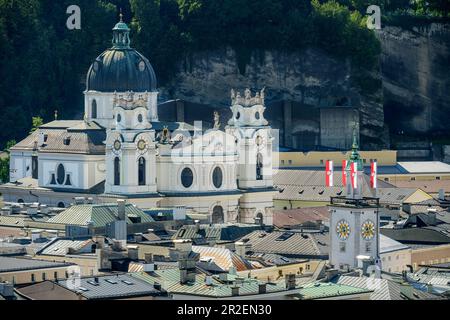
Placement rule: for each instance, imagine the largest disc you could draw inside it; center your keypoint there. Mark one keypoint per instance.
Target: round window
(119, 118)
(217, 177)
(140, 118)
(187, 177)
(60, 174)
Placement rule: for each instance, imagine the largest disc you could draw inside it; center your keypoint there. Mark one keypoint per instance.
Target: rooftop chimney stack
(235, 291)
(441, 195)
(290, 281)
(121, 209)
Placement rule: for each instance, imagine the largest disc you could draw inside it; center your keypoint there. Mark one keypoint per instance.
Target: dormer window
(67, 141)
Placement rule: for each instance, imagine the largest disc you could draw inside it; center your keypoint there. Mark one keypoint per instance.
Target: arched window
(60, 174)
(117, 171)
(94, 109)
(34, 167)
(187, 177)
(61, 205)
(141, 171)
(259, 219)
(217, 215)
(259, 166)
(217, 177)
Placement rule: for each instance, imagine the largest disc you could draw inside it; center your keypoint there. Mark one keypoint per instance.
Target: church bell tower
(354, 220)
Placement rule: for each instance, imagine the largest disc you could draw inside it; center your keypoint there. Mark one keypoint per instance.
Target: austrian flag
(329, 173)
(344, 173)
(354, 174)
(373, 175)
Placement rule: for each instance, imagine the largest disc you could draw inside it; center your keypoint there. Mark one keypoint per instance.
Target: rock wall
(415, 68)
(310, 79)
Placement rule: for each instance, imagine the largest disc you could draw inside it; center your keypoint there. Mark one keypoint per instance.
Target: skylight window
(111, 281)
(284, 236)
(127, 282)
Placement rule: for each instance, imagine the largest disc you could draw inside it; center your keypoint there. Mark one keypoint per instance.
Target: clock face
(368, 230)
(142, 145)
(343, 229)
(117, 145)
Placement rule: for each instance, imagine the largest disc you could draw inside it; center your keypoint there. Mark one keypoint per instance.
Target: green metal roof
(327, 290)
(99, 215)
(169, 279)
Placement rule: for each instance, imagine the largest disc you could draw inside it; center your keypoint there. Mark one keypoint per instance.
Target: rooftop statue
(248, 100)
(216, 120)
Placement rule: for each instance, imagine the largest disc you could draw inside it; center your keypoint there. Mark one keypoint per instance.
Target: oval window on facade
(217, 177)
(238, 115)
(140, 118)
(119, 118)
(60, 174)
(187, 177)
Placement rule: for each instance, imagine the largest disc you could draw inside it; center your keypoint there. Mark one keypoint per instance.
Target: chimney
(235, 291)
(241, 248)
(331, 273)
(187, 260)
(197, 225)
(121, 209)
(441, 195)
(208, 280)
(148, 257)
(432, 216)
(262, 288)
(157, 286)
(149, 267)
(290, 281)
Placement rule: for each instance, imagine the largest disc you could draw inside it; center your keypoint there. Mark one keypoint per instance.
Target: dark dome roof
(121, 68)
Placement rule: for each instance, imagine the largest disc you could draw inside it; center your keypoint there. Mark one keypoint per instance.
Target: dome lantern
(121, 35)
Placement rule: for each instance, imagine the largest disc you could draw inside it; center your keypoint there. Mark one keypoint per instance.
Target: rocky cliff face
(415, 68)
(309, 79)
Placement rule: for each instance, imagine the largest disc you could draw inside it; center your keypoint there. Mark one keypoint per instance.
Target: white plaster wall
(20, 165)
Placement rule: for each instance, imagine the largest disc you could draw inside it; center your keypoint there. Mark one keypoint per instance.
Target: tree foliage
(43, 64)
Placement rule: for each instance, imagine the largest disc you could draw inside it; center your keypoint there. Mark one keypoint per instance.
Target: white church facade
(121, 150)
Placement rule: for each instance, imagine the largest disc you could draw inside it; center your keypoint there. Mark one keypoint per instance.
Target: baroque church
(120, 150)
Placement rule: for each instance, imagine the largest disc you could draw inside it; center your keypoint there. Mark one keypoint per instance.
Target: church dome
(121, 68)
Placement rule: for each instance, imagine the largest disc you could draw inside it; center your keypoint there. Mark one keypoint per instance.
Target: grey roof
(109, 287)
(61, 246)
(99, 214)
(85, 138)
(296, 244)
(439, 234)
(10, 264)
(425, 167)
(206, 233)
(383, 289)
(389, 245)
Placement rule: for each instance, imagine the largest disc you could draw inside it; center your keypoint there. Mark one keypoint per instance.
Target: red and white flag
(373, 175)
(329, 172)
(354, 174)
(344, 173)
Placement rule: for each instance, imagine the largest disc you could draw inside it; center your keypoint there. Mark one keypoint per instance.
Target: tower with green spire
(355, 158)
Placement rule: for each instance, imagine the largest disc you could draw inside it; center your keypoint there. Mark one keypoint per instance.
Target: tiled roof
(222, 258)
(100, 215)
(10, 264)
(432, 186)
(116, 286)
(85, 138)
(425, 167)
(285, 218)
(289, 243)
(431, 234)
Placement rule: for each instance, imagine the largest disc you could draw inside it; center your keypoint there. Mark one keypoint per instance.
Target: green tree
(36, 123)
(4, 162)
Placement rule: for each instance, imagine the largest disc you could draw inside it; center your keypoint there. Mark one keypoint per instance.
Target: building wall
(319, 158)
(429, 256)
(396, 261)
(306, 268)
(88, 264)
(20, 165)
(22, 277)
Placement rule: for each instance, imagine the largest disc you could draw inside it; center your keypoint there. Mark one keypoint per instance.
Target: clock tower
(354, 220)
(130, 147)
